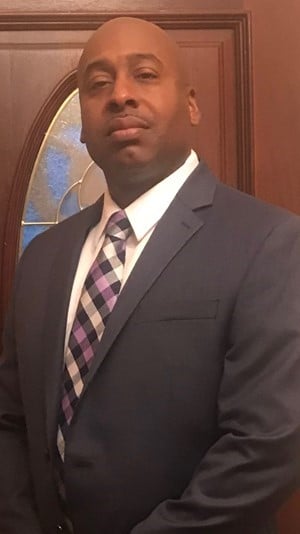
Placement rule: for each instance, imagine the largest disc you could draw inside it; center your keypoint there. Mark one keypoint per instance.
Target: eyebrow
(133, 58)
(107, 66)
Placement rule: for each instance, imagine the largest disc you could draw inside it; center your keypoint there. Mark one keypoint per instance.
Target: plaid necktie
(99, 295)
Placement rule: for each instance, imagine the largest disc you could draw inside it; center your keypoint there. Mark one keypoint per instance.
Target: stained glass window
(64, 179)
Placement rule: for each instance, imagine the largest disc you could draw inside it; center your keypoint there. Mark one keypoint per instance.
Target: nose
(123, 94)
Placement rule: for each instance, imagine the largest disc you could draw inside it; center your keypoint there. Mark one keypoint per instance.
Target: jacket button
(59, 528)
(47, 455)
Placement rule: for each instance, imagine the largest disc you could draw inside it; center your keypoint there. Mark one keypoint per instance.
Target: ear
(195, 114)
(82, 136)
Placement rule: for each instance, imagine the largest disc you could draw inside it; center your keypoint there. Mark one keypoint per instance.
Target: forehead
(118, 42)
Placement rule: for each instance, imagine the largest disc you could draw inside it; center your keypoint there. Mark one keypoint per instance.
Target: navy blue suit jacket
(190, 417)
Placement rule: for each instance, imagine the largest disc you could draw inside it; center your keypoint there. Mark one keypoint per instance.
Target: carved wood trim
(90, 21)
(22, 178)
(239, 23)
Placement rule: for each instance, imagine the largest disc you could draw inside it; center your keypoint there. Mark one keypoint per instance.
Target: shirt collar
(145, 212)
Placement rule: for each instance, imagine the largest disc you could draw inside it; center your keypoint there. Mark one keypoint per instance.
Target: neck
(126, 188)
(123, 196)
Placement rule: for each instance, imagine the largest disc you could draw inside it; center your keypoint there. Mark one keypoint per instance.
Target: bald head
(148, 34)
(137, 107)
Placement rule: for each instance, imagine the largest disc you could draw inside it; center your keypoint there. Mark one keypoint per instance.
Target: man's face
(136, 110)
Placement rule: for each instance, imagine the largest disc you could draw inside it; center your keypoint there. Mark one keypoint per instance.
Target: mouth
(126, 128)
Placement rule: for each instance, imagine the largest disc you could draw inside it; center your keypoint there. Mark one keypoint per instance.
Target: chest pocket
(177, 310)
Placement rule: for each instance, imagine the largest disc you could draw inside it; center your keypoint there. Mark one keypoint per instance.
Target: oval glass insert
(64, 179)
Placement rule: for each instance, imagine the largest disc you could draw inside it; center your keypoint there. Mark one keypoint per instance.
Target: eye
(146, 74)
(99, 83)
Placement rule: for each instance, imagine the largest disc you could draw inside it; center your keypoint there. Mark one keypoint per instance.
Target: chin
(129, 157)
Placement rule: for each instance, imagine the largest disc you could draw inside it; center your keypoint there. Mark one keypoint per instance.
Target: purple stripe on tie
(88, 354)
(79, 332)
(108, 294)
(67, 408)
(103, 285)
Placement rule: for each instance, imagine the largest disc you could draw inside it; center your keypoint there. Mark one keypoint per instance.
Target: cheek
(91, 115)
(88, 119)
(173, 124)
(171, 111)
(164, 122)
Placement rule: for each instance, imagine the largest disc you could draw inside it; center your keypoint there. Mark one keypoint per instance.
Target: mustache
(124, 121)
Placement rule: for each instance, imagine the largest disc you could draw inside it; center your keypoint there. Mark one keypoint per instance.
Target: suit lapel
(59, 290)
(180, 222)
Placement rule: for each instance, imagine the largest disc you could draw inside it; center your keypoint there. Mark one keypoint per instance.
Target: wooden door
(38, 55)
(244, 56)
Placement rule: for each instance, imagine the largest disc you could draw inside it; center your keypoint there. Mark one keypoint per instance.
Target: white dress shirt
(143, 214)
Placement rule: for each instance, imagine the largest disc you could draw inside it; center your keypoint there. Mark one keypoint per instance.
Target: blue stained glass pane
(72, 133)
(57, 163)
(32, 213)
(69, 205)
(29, 232)
(62, 173)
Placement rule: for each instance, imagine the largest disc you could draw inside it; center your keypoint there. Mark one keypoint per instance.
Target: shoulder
(71, 228)
(238, 219)
(248, 212)
(230, 205)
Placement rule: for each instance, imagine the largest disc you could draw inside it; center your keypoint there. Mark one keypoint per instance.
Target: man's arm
(17, 513)
(254, 464)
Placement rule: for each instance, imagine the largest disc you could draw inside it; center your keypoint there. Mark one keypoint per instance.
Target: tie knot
(118, 226)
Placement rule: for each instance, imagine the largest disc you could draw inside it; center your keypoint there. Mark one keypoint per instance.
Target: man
(176, 409)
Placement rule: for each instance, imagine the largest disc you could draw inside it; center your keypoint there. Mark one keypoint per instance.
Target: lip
(125, 126)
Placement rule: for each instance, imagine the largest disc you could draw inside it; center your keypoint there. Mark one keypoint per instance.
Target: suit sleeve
(17, 510)
(254, 464)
